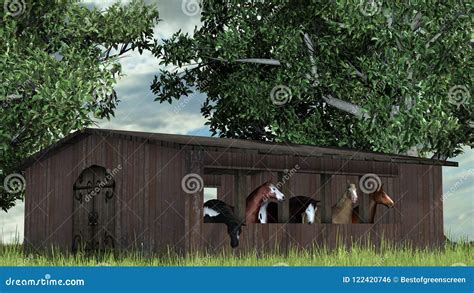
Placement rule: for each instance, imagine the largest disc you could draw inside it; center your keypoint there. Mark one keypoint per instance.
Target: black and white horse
(302, 210)
(217, 211)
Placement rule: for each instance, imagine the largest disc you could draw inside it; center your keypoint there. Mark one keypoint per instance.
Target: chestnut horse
(342, 210)
(217, 211)
(260, 195)
(376, 198)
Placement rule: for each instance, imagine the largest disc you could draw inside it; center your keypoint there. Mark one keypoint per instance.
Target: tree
(59, 63)
(389, 76)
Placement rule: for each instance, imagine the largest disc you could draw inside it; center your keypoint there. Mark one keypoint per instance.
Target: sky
(137, 111)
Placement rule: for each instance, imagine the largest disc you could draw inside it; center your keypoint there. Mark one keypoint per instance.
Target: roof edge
(398, 157)
(43, 153)
(79, 134)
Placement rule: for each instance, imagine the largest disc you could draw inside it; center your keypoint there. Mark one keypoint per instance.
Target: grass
(387, 255)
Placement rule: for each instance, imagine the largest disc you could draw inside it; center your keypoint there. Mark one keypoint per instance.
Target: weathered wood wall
(150, 202)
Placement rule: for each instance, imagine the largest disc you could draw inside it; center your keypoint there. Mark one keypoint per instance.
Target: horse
(342, 210)
(303, 209)
(260, 195)
(377, 197)
(217, 211)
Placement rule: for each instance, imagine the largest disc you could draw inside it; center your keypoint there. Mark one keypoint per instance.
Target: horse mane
(223, 209)
(342, 200)
(255, 191)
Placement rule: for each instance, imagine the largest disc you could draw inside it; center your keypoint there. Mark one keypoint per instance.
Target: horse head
(271, 191)
(309, 215)
(352, 192)
(380, 197)
(234, 232)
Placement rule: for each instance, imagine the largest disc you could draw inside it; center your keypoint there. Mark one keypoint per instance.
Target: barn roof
(232, 145)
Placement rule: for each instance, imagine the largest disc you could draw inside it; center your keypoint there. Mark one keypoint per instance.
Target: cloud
(139, 112)
(167, 123)
(103, 4)
(458, 191)
(134, 63)
(174, 16)
(12, 224)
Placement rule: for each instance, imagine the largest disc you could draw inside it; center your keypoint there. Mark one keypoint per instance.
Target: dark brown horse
(260, 195)
(376, 198)
(302, 210)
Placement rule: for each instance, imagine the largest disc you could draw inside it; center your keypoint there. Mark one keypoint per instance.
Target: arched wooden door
(94, 211)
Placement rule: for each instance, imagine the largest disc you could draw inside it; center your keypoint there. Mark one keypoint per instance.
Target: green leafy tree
(59, 63)
(390, 76)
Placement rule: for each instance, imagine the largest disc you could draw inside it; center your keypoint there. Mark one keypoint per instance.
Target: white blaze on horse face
(310, 213)
(262, 213)
(210, 212)
(353, 193)
(278, 194)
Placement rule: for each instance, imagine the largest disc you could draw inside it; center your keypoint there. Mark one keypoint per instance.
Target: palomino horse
(342, 210)
(260, 195)
(302, 210)
(217, 211)
(376, 198)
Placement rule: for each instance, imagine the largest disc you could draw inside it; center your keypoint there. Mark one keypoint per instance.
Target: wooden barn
(107, 189)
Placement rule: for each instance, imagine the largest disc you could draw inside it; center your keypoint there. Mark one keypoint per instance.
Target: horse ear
(381, 187)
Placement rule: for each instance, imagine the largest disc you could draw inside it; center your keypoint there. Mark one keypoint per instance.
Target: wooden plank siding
(438, 206)
(217, 162)
(50, 184)
(154, 214)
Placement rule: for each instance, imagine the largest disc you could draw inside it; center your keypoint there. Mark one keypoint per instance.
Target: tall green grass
(386, 255)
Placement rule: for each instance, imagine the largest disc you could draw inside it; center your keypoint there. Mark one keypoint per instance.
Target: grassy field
(458, 254)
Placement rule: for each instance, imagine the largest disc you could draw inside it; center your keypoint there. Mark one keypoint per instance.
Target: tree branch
(416, 22)
(346, 106)
(314, 68)
(265, 61)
